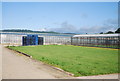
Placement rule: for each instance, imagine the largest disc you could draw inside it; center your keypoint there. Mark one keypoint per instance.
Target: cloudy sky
(64, 17)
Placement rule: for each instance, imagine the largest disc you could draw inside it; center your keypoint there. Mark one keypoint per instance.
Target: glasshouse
(34, 38)
(100, 40)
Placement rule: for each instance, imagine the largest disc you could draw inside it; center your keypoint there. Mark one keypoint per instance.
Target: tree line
(25, 30)
(111, 32)
(31, 31)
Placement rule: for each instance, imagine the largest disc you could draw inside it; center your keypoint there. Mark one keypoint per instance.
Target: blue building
(32, 40)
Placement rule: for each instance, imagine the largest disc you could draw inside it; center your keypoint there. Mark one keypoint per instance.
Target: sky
(63, 17)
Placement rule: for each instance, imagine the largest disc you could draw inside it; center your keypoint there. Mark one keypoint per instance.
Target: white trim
(96, 35)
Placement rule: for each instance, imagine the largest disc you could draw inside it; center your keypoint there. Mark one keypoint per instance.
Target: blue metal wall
(30, 40)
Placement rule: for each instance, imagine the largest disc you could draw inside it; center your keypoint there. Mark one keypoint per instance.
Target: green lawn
(81, 61)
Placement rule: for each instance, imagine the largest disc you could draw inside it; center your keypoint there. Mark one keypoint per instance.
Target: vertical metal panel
(30, 40)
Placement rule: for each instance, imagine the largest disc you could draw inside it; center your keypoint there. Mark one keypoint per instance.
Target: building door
(40, 41)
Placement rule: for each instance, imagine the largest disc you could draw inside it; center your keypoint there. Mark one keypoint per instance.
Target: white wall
(11, 39)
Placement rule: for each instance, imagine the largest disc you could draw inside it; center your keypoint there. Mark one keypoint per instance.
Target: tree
(101, 32)
(117, 31)
(110, 32)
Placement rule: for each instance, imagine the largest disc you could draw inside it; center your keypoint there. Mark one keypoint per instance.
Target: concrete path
(0, 63)
(108, 76)
(17, 66)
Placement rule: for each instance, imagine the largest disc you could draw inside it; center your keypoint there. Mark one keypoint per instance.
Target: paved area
(0, 63)
(108, 76)
(17, 66)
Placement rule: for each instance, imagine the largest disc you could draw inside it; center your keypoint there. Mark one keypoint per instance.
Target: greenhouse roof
(96, 35)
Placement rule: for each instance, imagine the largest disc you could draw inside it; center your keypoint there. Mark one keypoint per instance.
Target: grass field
(81, 61)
